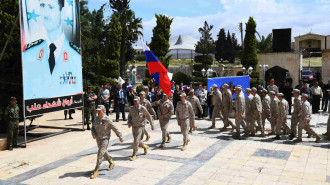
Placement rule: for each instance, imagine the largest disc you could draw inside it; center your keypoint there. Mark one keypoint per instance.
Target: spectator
(201, 94)
(120, 99)
(130, 96)
(287, 91)
(306, 90)
(317, 95)
(321, 84)
(259, 89)
(148, 94)
(176, 96)
(272, 87)
(105, 96)
(209, 101)
(125, 85)
(289, 79)
(300, 85)
(326, 96)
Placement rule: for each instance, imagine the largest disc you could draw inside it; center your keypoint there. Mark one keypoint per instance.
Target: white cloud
(268, 14)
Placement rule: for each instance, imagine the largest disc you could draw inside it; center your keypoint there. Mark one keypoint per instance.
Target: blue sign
(233, 81)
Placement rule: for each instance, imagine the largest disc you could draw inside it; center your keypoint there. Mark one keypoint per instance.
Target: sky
(303, 16)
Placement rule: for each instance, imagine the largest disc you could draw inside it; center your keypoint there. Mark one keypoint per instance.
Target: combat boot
(88, 128)
(190, 130)
(133, 157)
(111, 164)
(188, 140)
(233, 127)
(169, 139)
(277, 137)
(95, 173)
(262, 135)
(297, 140)
(271, 133)
(145, 147)
(162, 145)
(195, 128)
(147, 139)
(184, 146)
(291, 136)
(318, 138)
(224, 129)
(211, 127)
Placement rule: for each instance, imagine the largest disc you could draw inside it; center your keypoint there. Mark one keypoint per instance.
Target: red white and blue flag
(157, 70)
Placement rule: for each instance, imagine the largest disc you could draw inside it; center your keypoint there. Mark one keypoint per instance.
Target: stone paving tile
(272, 154)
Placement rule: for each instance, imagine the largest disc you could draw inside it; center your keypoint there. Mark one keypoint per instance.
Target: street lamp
(203, 72)
(209, 72)
(131, 71)
(263, 68)
(248, 71)
(133, 74)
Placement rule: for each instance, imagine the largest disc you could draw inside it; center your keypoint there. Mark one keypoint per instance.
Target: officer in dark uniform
(12, 118)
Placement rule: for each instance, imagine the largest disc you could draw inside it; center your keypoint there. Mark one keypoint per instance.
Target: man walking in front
(273, 112)
(239, 108)
(283, 110)
(101, 131)
(144, 102)
(217, 105)
(256, 109)
(227, 107)
(195, 103)
(295, 114)
(265, 107)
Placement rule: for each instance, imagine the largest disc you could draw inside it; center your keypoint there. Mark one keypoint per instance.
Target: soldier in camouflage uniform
(256, 109)
(227, 107)
(166, 110)
(217, 105)
(137, 119)
(195, 103)
(240, 110)
(272, 87)
(89, 107)
(146, 103)
(101, 131)
(273, 112)
(283, 110)
(305, 118)
(295, 114)
(184, 115)
(265, 107)
(12, 119)
(248, 114)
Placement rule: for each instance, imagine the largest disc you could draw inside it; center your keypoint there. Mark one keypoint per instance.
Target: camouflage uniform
(273, 113)
(328, 125)
(248, 113)
(227, 107)
(295, 114)
(12, 117)
(265, 110)
(101, 130)
(272, 88)
(137, 118)
(195, 103)
(305, 118)
(146, 103)
(283, 109)
(89, 108)
(255, 110)
(240, 110)
(217, 105)
(167, 110)
(185, 113)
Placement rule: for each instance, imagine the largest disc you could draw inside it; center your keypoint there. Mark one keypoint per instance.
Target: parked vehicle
(307, 76)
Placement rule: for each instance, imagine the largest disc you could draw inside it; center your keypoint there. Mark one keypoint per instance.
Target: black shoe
(291, 136)
(70, 117)
(325, 134)
(88, 128)
(10, 148)
(65, 118)
(124, 119)
(117, 120)
(277, 137)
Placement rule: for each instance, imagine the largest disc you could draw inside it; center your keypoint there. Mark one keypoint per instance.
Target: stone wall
(290, 61)
(326, 64)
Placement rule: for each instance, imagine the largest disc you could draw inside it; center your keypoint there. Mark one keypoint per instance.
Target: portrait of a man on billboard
(51, 55)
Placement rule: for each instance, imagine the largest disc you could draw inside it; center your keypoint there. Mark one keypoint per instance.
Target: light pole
(209, 72)
(248, 71)
(263, 68)
(131, 71)
(203, 72)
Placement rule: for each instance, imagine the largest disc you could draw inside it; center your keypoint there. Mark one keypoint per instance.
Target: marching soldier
(328, 125)
(184, 113)
(273, 112)
(248, 114)
(283, 110)
(295, 114)
(146, 103)
(227, 107)
(166, 111)
(89, 108)
(305, 118)
(272, 87)
(195, 103)
(137, 119)
(12, 118)
(101, 131)
(217, 105)
(265, 107)
(256, 109)
(240, 110)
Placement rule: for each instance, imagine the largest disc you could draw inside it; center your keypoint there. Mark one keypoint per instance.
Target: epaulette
(76, 48)
(32, 44)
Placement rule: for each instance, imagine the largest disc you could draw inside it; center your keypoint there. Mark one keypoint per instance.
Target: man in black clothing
(209, 101)
(287, 91)
(300, 85)
(130, 96)
(326, 96)
(120, 99)
(176, 96)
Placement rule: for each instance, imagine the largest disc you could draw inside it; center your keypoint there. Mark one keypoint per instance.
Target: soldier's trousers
(247, 120)
(163, 126)
(304, 124)
(12, 134)
(184, 128)
(226, 121)
(239, 122)
(265, 116)
(216, 114)
(280, 124)
(89, 113)
(273, 120)
(137, 135)
(328, 128)
(294, 123)
(102, 144)
(256, 118)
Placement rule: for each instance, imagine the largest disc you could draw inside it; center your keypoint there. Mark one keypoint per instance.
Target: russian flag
(157, 70)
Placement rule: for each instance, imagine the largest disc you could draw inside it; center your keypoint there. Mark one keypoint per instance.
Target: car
(307, 76)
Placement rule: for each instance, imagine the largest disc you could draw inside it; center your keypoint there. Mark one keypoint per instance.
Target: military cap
(238, 88)
(183, 95)
(136, 98)
(247, 89)
(272, 92)
(191, 90)
(13, 98)
(280, 94)
(214, 86)
(264, 91)
(100, 107)
(296, 91)
(89, 87)
(254, 89)
(225, 85)
(304, 95)
(142, 92)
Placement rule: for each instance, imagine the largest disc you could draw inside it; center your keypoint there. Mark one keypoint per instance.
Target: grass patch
(315, 61)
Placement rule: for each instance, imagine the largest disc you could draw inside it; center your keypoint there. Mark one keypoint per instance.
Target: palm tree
(265, 44)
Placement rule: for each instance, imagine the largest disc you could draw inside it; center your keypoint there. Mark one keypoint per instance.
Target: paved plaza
(211, 158)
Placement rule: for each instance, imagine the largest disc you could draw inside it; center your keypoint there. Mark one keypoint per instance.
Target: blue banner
(233, 81)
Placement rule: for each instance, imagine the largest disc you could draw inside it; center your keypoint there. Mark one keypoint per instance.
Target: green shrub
(197, 74)
(255, 74)
(205, 59)
(145, 81)
(202, 80)
(239, 73)
(200, 66)
(180, 77)
(140, 57)
(139, 88)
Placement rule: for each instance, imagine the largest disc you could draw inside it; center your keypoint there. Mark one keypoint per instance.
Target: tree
(159, 44)
(265, 45)
(220, 45)
(206, 44)
(114, 38)
(250, 57)
(229, 49)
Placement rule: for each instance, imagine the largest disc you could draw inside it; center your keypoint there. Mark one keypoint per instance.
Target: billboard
(51, 55)
(233, 81)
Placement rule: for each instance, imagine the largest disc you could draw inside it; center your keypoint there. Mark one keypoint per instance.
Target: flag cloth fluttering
(157, 70)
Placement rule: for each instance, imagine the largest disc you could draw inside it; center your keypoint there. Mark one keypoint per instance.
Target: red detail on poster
(41, 53)
(65, 55)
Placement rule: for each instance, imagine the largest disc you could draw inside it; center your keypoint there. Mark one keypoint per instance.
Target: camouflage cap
(247, 89)
(272, 92)
(142, 93)
(238, 88)
(264, 91)
(304, 95)
(296, 91)
(225, 85)
(100, 107)
(136, 98)
(183, 95)
(254, 89)
(280, 94)
(191, 90)
(215, 86)
(13, 98)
